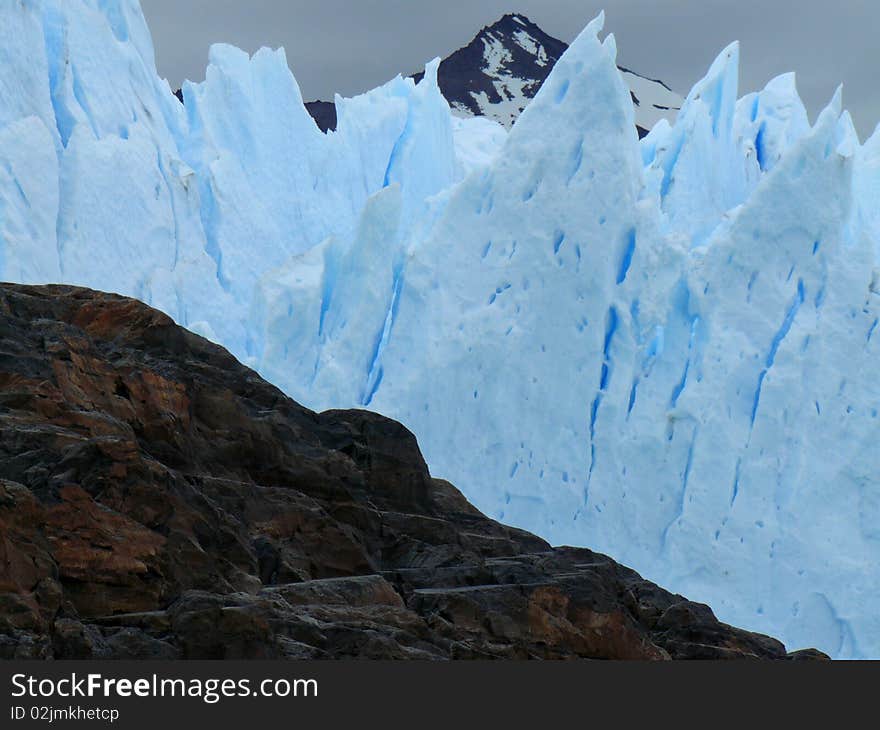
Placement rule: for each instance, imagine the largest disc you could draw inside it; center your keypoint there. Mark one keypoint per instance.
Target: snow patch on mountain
(653, 99)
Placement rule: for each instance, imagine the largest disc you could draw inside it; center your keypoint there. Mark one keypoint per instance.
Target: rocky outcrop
(159, 500)
(324, 114)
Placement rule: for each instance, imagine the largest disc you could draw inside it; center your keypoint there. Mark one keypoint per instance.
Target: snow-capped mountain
(500, 70)
(663, 348)
(503, 67)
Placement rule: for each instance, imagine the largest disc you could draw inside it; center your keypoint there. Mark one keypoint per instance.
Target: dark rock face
(324, 114)
(160, 500)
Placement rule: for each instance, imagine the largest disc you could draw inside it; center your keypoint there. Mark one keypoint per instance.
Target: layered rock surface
(160, 500)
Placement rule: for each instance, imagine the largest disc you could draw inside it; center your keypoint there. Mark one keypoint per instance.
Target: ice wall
(107, 181)
(662, 349)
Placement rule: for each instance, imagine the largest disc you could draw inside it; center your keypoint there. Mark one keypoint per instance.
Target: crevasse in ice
(665, 350)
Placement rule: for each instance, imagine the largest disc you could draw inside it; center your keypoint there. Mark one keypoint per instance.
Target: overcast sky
(350, 46)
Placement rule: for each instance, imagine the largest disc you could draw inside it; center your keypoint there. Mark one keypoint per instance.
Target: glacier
(662, 349)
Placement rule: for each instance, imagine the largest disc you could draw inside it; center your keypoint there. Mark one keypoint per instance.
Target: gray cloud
(350, 46)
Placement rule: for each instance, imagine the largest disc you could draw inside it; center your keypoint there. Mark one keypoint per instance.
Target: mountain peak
(504, 66)
(516, 20)
(501, 69)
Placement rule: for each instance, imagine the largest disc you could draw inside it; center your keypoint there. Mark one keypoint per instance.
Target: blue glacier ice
(663, 349)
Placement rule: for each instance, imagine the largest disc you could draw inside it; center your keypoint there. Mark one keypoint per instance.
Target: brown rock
(159, 500)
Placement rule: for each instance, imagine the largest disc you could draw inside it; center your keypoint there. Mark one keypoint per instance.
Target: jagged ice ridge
(664, 350)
